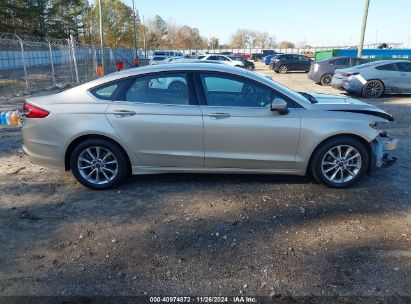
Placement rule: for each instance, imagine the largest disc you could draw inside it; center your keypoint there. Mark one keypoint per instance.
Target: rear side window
(387, 67)
(159, 88)
(105, 92)
(342, 61)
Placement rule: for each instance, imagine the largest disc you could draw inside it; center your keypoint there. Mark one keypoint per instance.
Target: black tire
(283, 69)
(123, 167)
(321, 154)
(326, 80)
(373, 89)
(177, 86)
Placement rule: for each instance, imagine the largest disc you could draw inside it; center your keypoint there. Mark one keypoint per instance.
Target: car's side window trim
(202, 100)
(119, 95)
(121, 83)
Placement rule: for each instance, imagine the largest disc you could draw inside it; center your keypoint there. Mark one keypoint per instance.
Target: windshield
(158, 58)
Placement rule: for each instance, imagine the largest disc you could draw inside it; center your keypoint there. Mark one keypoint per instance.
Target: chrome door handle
(219, 115)
(123, 113)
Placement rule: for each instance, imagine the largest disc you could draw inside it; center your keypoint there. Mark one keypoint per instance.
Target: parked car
(157, 60)
(205, 118)
(223, 59)
(256, 56)
(268, 52)
(168, 53)
(267, 59)
(227, 53)
(246, 63)
(242, 55)
(165, 60)
(290, 62)
(322, 71)
(375, 79)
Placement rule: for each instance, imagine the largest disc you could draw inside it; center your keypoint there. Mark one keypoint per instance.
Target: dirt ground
(207, 234)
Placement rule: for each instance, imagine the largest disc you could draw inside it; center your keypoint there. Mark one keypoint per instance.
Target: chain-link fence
(30, 64)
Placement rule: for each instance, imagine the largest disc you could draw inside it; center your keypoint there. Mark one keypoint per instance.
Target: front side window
(230, 91)
(212, 58)
(159, 88)
(404, 66)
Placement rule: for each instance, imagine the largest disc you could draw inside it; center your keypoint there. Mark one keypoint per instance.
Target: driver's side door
(240, 130)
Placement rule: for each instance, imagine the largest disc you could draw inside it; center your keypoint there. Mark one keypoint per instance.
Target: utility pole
(135, 35)
(144, 39)
(364, 25)
(100, 11)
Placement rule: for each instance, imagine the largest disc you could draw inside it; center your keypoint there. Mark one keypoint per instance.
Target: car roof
(181, 66)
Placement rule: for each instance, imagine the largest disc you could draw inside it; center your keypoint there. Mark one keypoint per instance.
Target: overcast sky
(320, 22)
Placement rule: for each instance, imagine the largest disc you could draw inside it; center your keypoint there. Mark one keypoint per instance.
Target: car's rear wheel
(283, 69)
(340, 162)
(99, 164)
(373, 89)
(326, 80)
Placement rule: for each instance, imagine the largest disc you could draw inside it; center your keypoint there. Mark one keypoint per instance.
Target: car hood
(347, 104)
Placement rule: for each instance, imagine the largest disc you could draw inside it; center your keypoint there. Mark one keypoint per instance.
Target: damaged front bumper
(380, 147)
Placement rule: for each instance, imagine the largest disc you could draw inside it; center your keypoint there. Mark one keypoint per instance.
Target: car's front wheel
(340, 162)
(99, 164)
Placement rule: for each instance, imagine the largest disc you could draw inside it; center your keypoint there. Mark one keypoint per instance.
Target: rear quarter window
(105, 92)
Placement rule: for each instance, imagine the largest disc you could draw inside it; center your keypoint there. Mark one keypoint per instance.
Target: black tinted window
(404, 66)
(387, 67)
(212, 58)
(225, 90)
(159, 88)
(342, 61)
(357, 61)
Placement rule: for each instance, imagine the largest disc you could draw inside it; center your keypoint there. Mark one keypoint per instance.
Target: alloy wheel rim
(374, 88)
(327, 80)
(341, 164)
(283, 69)
(97, 165)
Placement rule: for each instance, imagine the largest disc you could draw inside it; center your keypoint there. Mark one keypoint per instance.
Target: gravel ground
(206, 234)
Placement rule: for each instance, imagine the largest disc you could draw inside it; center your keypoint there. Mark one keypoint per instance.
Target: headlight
(379, 125)
(316, 66)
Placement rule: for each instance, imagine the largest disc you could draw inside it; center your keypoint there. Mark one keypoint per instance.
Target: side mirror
(279, 105)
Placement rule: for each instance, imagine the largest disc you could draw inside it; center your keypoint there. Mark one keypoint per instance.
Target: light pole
(364, 25)
(135, 61)
(100, 11)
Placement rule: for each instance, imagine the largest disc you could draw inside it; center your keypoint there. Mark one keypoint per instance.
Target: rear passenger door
(158, 117)
(404, 83)
(389, 75)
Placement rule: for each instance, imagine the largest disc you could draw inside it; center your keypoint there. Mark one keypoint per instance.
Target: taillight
(347, 74)
(34, 112)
